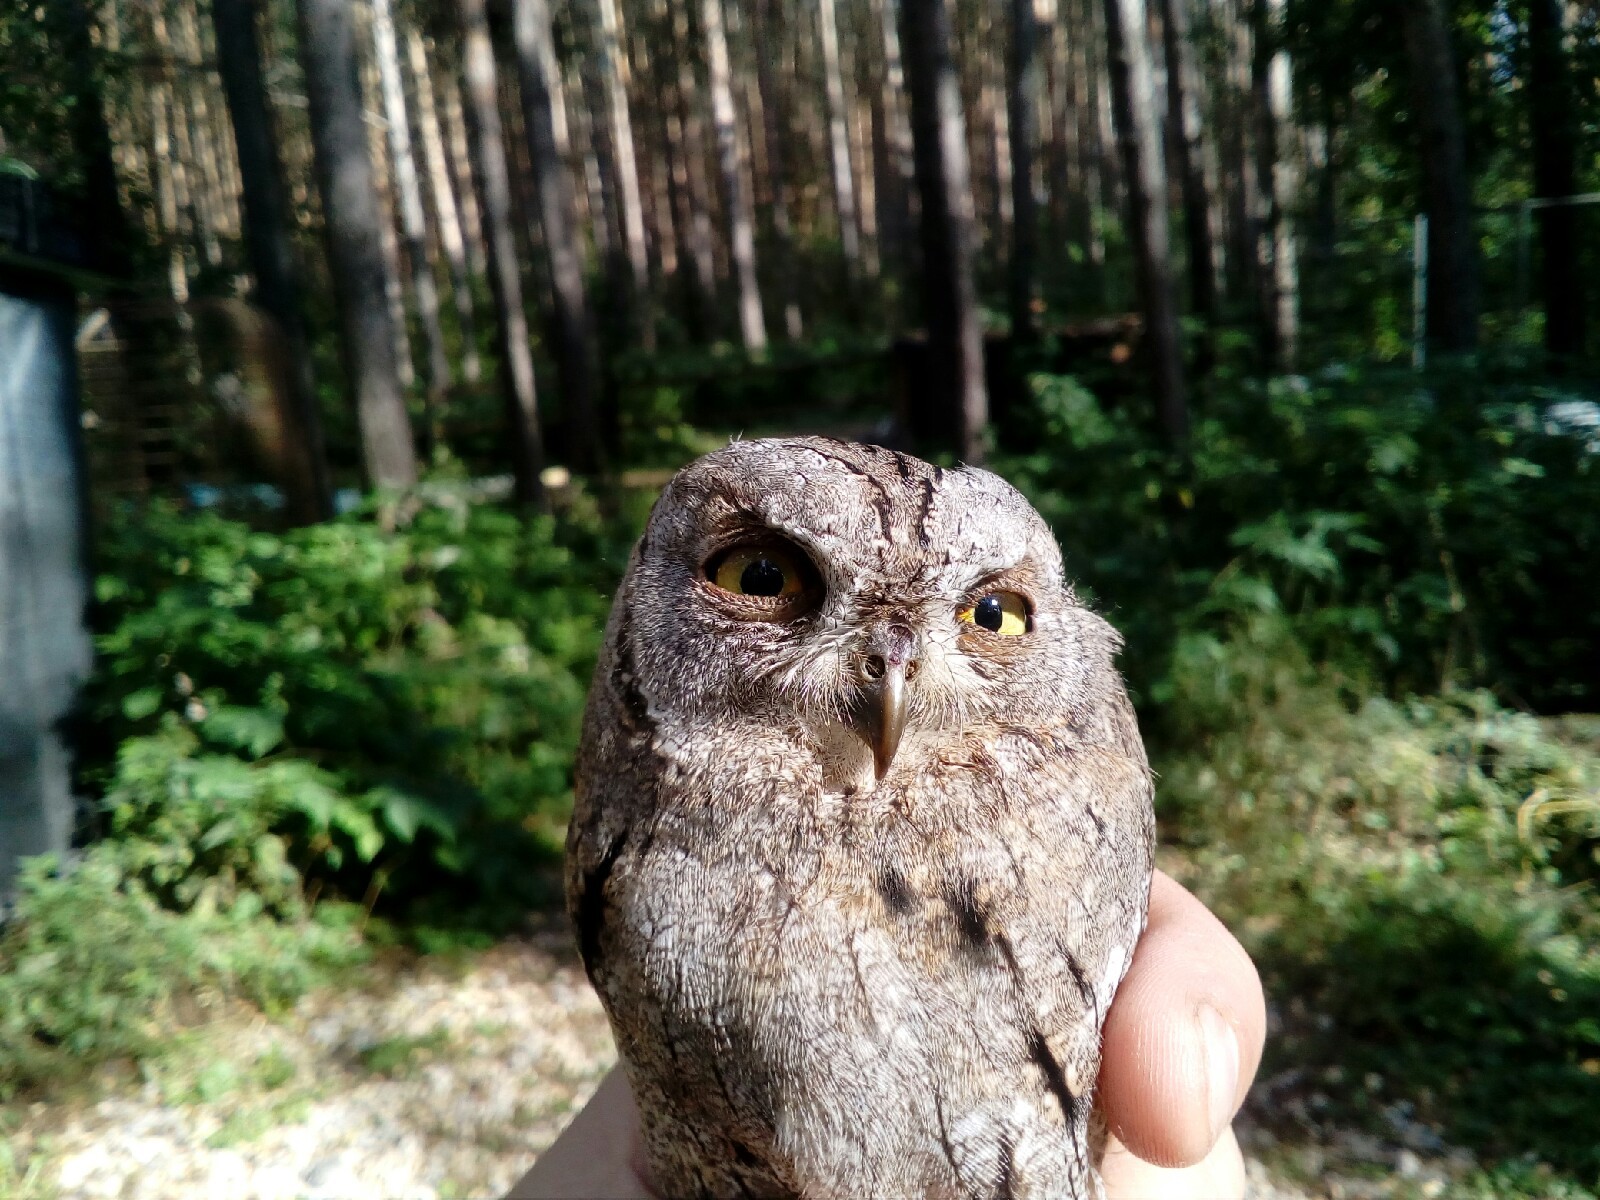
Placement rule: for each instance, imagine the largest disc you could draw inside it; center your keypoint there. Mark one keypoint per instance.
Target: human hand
(1181, 1046)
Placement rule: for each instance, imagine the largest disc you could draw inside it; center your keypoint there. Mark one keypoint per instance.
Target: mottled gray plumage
(841, 962)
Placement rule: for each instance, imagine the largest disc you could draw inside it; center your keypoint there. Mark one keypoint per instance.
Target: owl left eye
(1005, 613)
(768, 572)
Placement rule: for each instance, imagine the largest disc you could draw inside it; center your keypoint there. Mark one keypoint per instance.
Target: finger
(1218, 1176)
(599, 1154)
(1183, 1038)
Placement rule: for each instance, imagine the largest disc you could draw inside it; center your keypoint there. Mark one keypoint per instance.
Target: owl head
(870, 605)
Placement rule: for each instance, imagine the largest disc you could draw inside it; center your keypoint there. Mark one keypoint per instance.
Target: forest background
(1284, 313)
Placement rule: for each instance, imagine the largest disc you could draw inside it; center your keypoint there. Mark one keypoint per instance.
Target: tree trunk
(686, 144)
(944, 183)
(354, 231)
(482, 112)
(1187, 134)
(614, 66)
(741, 220)
(445, 206)
(571, 333)
(271, 250)
(1452, 318)
(844, 191)
(1139, 138)
(899, 170)
(92, 140)
(1278, 264)
(1553, 108)
(413, 220)
(1022, 102)
(775, 126)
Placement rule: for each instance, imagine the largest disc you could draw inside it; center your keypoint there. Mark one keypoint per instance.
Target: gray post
(44, 579)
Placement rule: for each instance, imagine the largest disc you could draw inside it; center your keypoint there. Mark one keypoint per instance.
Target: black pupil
(762, 578)
(988, 613)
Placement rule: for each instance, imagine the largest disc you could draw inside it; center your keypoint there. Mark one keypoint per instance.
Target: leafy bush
(92, 967)
(369, 708)
(1429, 532)
(1414, 879)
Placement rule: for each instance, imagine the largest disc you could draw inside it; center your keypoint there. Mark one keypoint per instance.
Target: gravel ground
(434, 1082)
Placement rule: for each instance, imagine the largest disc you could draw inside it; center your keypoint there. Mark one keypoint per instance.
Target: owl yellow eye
(1005, 613)
(766, 572)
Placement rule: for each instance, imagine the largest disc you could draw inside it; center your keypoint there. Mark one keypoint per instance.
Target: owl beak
(879, 713)
(880, 716)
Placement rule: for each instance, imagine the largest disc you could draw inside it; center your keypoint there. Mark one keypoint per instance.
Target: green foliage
(1422, 532)
(1416, 881)
(367, 708)
(1416, 878)
(92, 967)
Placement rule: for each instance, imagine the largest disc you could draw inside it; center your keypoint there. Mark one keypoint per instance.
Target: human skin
(1181, 1045)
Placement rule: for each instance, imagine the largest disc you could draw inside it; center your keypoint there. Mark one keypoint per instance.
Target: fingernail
(1222, 1068)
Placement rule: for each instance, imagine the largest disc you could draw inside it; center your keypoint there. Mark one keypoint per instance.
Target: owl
(863, 835)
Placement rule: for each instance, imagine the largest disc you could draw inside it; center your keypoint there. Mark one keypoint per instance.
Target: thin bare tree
(1144, 172)
(1022, 100)
(512, 340)
(1452, 292)
(741, 218)
(1185, 130)
(446, 209)
(538, 75)
(944, 183)
(354, 232)
(1554, 109)
(271, 250)
(413, 218)
(844, 189)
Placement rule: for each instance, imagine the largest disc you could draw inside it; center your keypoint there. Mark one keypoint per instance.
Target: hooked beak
(879, 713)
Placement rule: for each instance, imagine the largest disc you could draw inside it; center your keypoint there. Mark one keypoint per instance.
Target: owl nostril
(911, 669)
(874, 667)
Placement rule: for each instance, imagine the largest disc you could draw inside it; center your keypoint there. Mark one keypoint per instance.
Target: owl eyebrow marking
(882, 503)
(923, 538)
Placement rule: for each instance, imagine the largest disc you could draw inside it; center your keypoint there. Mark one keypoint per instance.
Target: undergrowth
(1342, 612)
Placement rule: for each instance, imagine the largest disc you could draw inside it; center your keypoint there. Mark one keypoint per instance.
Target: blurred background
(345, 343)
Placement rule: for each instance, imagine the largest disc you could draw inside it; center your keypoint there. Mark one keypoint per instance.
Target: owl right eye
(765, 572)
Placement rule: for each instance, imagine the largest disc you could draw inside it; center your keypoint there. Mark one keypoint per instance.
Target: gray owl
(863, 833)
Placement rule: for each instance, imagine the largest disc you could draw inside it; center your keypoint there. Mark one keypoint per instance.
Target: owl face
(861, 601)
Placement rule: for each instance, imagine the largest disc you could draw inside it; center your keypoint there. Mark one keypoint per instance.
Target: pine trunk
(741, 219)
(446, 209)
(413, 219)
(512, 340)
(1452, 317)
(614, 65)
(1277, 262)
(1139, 138)
(844, 190)
(271, 251)
(944, 183)
(775, 134)
(570, 331)
(1022, 103)
(1554, 109)
(354, 231)
(1187, 134)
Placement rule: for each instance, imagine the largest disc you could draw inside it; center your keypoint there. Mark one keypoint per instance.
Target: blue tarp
(44, 581)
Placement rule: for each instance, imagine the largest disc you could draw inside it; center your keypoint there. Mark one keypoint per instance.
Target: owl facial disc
(878, 714)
